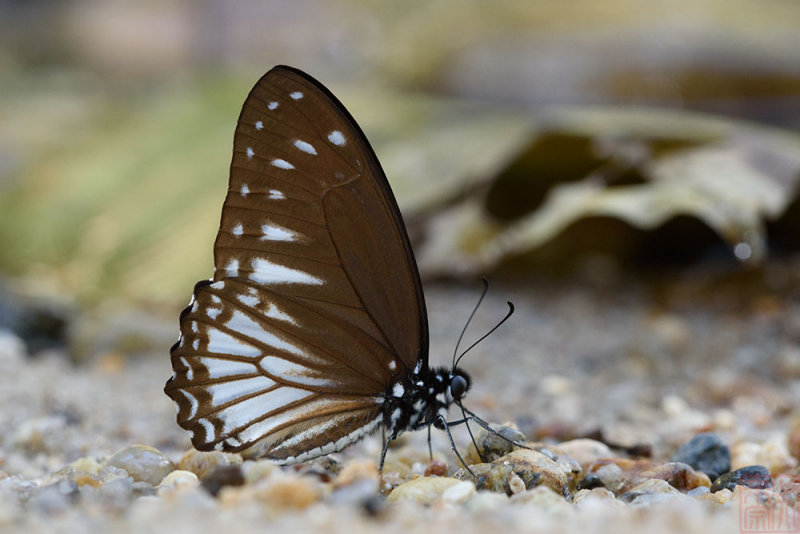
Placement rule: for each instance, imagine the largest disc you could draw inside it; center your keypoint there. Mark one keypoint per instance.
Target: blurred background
(524, 139)
(625, 171)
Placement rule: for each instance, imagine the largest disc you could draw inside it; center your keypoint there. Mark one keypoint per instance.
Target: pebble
(492, 446)
(176, 482)
(532, 467)
(426, 490)
(590, 482)
(594, 494)
(255, 470)
(752, 476)
(201, 463)
(649, 492)
(773, 454)
(356, 471)
(705, 452)
(542, 497)
(611, 476)
(280, 493)
(142, 463)
(678, 475)
(222, 476)
(584, 450)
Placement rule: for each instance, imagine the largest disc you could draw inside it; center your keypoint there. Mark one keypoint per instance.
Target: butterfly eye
(458, 386)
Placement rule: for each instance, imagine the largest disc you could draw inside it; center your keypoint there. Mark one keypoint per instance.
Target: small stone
(55, 498)
(720, 497)
(355, 471)
(678, 475)
(599, 494)
(177, 482)
(492, 446)
(542, 497)
(649, 492)
(611, 476)
(221, 476)
(424, 490)
(533, 467)
(255, 470)
(585, 450)
(459, 493)
(436, 468)
(773, 454)
(515, 484)
(699, 491)
(279, 493)
(590, 482)
(201, 463)
(142, 463)
(752, 476)
(705, 452)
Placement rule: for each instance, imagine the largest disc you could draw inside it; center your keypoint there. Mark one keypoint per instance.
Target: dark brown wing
(316, 306)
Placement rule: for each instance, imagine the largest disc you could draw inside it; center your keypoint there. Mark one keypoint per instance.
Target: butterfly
(313, 331)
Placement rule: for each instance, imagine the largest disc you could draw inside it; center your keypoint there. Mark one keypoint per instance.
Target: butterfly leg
(471, 436)
(384, 451)
(446, 427)
(430, 448)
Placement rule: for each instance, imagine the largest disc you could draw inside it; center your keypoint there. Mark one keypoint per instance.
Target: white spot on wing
(215, 299)
(277, 233)
(266, 272)
(209, 429)
(293, 372)
(296, 95)
(221, 343)
(392, 365)
(272, 106)
(282, 164)
(259, 125)
(250, 153)
(337, 138)
(398, 390)
(238, 230)
(225, 392)
(246, 326)
(213, 312)
(276, 195)
(193, 404)
(218, 367)
(305, 147)
(232, 269)
(248, 300)
(276, 313)
(245, 190)
(244, 412)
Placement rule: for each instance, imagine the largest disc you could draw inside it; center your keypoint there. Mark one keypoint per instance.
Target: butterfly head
(459, 384)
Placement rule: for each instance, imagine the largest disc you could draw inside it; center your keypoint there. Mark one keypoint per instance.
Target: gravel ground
(639, 367)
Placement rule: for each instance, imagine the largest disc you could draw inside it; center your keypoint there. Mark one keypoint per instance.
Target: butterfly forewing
(309, 318)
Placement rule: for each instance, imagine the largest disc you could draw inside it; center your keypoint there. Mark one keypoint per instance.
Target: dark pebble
(752, 476)
(705, 452)
(493, 445)
(224, 475)
(590, 482)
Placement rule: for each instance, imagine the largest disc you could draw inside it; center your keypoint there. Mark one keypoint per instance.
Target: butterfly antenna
(487, 334)
(471, 315)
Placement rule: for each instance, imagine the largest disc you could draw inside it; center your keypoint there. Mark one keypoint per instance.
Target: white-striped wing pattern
(315, 311)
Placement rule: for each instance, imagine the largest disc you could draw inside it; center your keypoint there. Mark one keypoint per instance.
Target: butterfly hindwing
(315, 308)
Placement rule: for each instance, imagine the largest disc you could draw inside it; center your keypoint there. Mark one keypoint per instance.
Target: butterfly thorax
(421, 399)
